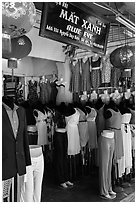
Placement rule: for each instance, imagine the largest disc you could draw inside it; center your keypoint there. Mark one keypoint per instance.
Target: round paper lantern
(17, 18)
(123, 57)
(20, 47)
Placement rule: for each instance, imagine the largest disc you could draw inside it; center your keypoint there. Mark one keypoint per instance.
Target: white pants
(31, 190)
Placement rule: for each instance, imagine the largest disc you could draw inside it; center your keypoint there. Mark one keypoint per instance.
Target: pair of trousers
(60, 156)
(106, 152)
(32, 186)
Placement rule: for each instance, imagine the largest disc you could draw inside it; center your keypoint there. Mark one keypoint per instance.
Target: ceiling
(105, 10)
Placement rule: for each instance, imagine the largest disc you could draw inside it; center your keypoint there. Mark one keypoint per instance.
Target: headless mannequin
(112, 105)
(8, 101)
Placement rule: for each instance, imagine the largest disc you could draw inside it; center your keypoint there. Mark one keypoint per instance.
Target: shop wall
(25, 67)
(29, 66)
(43, 67)
(45, 48)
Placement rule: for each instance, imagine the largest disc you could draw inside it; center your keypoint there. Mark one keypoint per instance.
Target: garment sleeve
(26, 141)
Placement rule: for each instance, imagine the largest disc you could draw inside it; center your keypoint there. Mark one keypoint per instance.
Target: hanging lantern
(17, 18)
(20, 48)
(123, 57)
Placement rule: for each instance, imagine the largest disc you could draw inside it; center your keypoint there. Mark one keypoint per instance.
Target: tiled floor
(85, 190)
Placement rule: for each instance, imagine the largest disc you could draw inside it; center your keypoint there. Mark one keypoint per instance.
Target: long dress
(32, 91)
(92, 129)
(41, 127)
(83, 128)
(73, 133)
(45, 91)
(96, 73)
(85, 78)
(75, 82)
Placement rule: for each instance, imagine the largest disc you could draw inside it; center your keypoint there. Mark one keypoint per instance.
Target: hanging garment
(106, 150)
(115, 77)
(54, 92)
(15, 146)
(31, 187)
(96, 73)
(92, 129)
(32, 89)
(41, 125)
(114, 123)
(106, 70)
(73, 133)
(126, 133)
(85, 77)
(61, 94)
(45, 91)
(75, 82)
(83, 128)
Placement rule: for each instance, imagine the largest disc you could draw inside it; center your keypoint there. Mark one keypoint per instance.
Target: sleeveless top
(114, 121)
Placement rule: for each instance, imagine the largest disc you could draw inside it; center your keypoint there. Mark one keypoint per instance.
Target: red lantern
(17, 18)
(123, 57)
(20, 47)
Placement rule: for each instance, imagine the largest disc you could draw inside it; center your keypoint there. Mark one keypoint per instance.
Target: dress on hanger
(85, 77)
(75, 82)
(54, 92)
(45, 91)
(73, 133)
(32, 88)
(92, 129)
(96, 72)
(106, 70)
(115, 77)
(83, 128)
(41, 125)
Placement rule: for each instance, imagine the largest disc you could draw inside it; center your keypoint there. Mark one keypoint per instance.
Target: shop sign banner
(64, 22)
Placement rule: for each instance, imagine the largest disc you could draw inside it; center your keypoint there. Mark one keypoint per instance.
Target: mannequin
(83, 126)
(106, 151)
(40, 117)
(61, 91)
(13, 163)
(72, 119)
(105, 97)
(60, 142)
(127, 94)
(125, 164)
(92, 130)
(93, 96)
(15, 146)
(32, 185)
(84, 98)
(113, 122)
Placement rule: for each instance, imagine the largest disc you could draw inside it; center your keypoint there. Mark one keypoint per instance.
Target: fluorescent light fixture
(126, 23)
